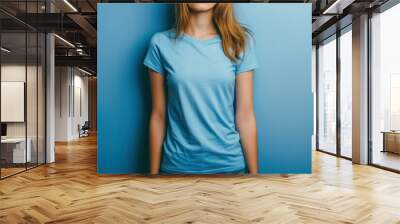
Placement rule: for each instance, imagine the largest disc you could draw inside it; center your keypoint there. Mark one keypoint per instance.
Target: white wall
(15, 72)
(79, 117)
(9, 73)
(62, 82)
(70, 83)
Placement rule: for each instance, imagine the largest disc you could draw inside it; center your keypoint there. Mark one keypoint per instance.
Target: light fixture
(5, 50)
(80, 51)
(84, 71)
(70, 5)
(65, 41)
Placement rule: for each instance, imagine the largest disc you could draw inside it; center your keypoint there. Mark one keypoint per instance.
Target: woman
(201, 74)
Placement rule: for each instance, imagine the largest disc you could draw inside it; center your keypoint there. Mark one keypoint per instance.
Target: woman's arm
(245, 119)
(157, 120)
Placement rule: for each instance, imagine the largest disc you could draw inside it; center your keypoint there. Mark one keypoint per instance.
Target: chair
(84, 129)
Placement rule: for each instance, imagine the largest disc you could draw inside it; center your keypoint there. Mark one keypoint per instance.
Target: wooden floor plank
(70, 191)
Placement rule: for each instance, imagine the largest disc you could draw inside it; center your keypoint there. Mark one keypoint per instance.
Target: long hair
(233, 35)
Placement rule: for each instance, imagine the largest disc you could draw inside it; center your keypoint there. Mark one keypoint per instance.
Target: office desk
(391, 141)
(13, 150)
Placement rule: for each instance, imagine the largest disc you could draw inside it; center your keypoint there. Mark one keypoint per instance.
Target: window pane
(386, 89)
(327, 96)
(346, 94)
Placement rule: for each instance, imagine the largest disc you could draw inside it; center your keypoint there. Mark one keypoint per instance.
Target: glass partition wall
(22, 98)
(334, 86)
(13, 89)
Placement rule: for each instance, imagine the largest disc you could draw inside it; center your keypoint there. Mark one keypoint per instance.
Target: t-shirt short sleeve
(153, 58)
(248, 60)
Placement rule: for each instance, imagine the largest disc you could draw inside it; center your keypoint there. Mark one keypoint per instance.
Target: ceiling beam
(84, 24)
(337, 7)
(83, 61)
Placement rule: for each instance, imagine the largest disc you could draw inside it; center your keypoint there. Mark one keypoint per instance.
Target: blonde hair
(233, 35)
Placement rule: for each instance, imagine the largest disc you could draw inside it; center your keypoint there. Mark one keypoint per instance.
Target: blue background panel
(283, 98)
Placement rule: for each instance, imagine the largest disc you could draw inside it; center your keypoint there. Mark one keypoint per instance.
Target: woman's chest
(192, 63)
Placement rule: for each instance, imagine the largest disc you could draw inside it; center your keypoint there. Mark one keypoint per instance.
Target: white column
(360, 90)
(50, 99)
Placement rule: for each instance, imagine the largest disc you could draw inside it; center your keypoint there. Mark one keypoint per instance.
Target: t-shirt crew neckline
(208, 40)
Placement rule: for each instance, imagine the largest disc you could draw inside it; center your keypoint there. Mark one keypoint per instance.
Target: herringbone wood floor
(70, 191)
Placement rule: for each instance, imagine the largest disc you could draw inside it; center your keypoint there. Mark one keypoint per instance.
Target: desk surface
(391, 132)
(13, 140)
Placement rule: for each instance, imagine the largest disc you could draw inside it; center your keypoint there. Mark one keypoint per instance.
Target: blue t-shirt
(201, 135)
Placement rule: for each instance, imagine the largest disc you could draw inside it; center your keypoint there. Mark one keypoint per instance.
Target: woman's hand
(245, 119)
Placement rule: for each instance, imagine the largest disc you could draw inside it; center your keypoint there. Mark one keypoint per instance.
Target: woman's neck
(201, 25)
